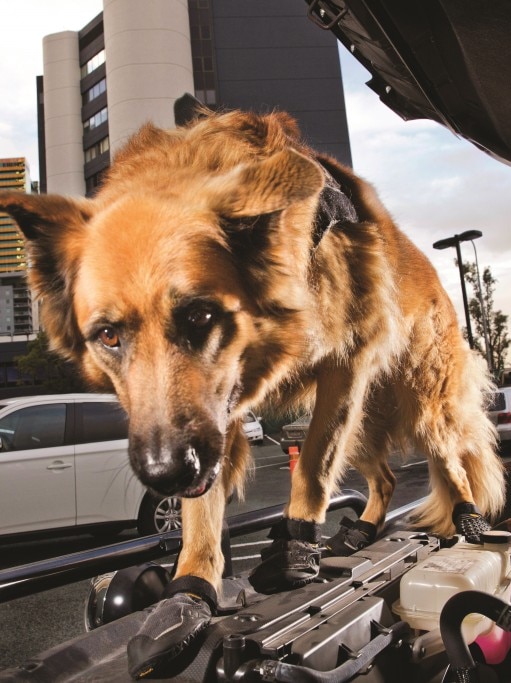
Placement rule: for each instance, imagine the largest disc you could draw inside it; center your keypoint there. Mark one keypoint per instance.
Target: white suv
(253, 428)
(64, 463)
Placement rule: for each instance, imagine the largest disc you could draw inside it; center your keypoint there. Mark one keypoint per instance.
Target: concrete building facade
(131, 62)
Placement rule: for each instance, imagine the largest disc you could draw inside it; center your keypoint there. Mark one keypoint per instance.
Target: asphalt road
(34, 624)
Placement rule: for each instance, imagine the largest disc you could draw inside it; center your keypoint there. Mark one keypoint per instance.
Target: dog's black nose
(166, 470)
(167, 479)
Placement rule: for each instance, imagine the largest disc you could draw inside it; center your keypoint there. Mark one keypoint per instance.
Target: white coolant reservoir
(429, 584)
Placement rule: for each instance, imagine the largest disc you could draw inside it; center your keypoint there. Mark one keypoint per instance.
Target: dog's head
(179, 284)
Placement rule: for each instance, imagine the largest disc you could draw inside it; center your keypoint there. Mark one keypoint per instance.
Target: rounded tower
(148, 63)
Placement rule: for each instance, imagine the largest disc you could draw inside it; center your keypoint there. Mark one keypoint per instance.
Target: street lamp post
(484, 317)
(454, 241)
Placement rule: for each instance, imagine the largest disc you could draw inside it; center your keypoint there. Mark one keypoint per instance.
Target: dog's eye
(200, 317)
(109, 337)
(194, 322)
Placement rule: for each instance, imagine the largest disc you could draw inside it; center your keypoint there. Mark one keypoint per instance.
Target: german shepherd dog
(224, 264)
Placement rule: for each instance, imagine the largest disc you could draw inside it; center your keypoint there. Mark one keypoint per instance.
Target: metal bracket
(323, 13)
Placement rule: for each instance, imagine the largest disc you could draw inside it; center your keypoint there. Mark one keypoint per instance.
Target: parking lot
(35, 623)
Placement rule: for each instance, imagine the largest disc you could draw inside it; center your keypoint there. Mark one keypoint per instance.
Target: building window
(93, 182)
(95, 91)
(96, 120)
(97, 149)
(93, 63)
(202, 39)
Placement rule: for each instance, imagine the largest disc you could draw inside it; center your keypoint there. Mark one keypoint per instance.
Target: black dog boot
(292, 560)
(352, 536)
(183, 612)
(469, 522)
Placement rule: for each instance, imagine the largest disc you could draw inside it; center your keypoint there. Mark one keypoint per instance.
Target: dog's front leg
(332, 441)
(293, 558)
(188, 601)
(332, 437)
(201, 554)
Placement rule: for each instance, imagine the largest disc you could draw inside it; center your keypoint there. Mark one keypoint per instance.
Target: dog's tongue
(199, 490)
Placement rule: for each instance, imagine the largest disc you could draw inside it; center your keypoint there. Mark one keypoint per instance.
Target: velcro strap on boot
(465, 509)
(193, 585)
(352, 536)
(367, 528)
(297, 529)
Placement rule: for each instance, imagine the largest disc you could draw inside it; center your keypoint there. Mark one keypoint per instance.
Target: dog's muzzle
(186, 469)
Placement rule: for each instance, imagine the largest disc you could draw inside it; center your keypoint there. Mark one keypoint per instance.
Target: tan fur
(197, 259)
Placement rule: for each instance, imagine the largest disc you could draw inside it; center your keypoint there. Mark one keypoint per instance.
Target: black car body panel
(444, 60)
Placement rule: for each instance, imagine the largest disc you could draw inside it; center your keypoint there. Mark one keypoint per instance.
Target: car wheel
(159, 514)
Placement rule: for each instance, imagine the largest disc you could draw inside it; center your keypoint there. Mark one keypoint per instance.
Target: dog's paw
(352, 536)
(469, 522)
(286, 564)
(171, 625)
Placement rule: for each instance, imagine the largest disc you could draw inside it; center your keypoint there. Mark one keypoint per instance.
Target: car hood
(444, 60)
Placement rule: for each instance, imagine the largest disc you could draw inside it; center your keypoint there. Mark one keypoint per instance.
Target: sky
(434, 184)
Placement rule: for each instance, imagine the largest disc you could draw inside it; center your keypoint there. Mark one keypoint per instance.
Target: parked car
(64, 464)
(500, 414)
(253, 428)
(294, 433)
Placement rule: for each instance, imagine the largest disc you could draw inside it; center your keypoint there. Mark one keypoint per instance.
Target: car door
(37, 475)
(106, 488)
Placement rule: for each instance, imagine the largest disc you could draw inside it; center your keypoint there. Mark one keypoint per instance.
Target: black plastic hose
(452, 615)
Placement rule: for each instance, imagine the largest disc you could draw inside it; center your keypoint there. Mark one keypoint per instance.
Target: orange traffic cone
(293, 452)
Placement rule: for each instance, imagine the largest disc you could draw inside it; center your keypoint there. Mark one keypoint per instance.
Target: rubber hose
(280, 672)
(453, 613)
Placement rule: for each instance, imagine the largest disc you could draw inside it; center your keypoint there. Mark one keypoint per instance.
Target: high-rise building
(132, 61)
(14, 175)
(16, 306)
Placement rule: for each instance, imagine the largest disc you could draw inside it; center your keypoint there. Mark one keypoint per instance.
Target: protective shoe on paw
(469, 522)
(286, 564)
(170, 626)
(352, 536)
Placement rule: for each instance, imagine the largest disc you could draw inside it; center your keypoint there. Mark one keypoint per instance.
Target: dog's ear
(39, 215)
(53, 227)
(188, 109)
(267, 186)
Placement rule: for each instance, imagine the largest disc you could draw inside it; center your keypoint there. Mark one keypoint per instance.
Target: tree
(488, 323)
(42, 367)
